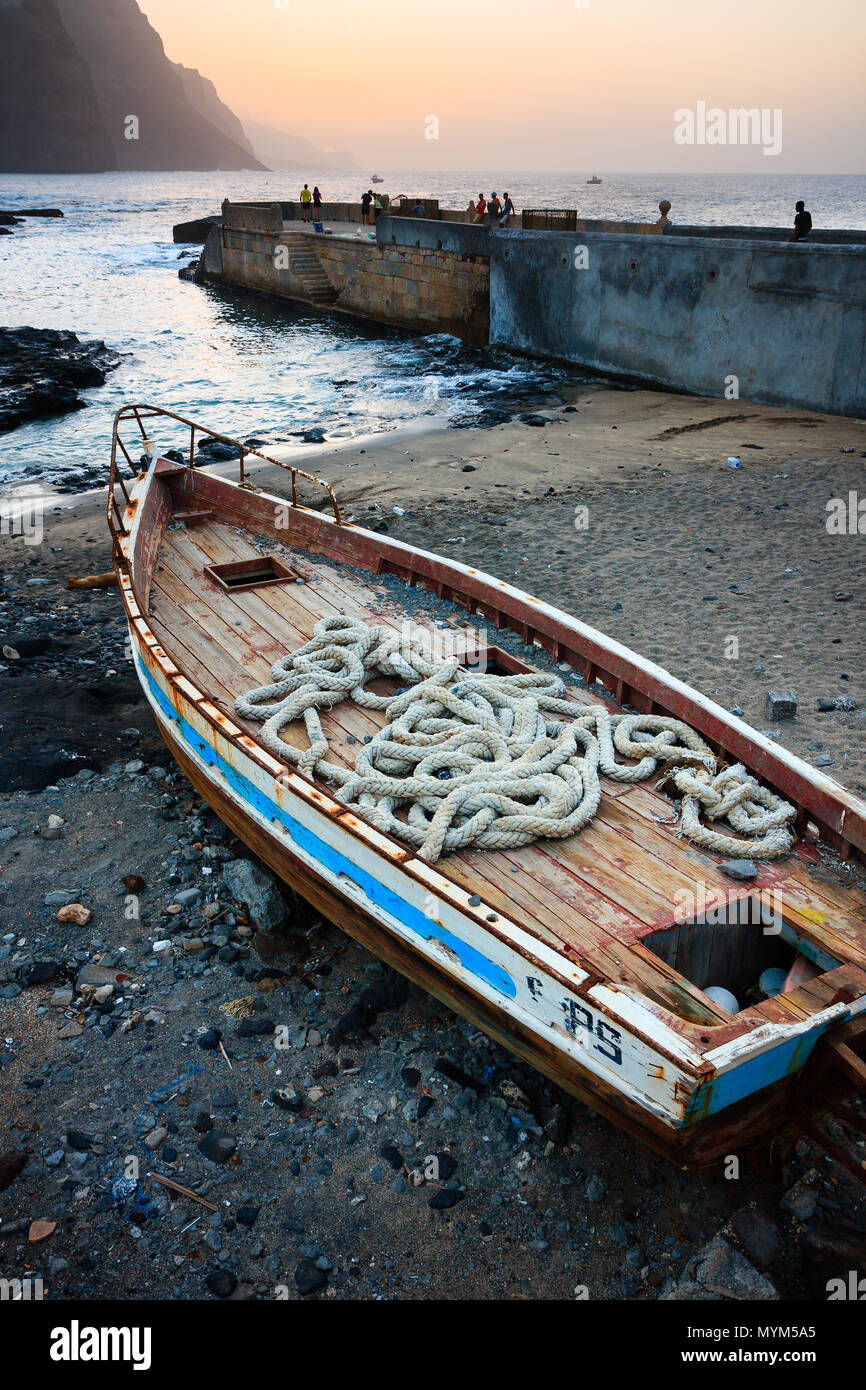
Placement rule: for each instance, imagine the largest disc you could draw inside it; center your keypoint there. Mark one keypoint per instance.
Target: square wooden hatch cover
(252, 574)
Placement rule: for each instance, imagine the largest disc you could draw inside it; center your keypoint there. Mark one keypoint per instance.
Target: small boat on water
(377, 179)
(701, 1012)
(595, 179)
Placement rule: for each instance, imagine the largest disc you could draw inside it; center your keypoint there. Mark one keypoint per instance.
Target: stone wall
(426, 290)
(253, 217)
(819, 236)
(419, 233)
(788, 321)
(430, 291)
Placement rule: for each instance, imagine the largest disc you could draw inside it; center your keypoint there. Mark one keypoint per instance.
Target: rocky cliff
(50, 121)
(86, 85)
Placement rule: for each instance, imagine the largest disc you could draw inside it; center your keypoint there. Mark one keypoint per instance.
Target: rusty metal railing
(549, 219)
(140, 413)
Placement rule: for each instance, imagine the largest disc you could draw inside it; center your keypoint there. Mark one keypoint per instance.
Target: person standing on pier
(306, 200)
(366, 200)
(317, 204)
(494, 209)
(480, 208)
(802, 222)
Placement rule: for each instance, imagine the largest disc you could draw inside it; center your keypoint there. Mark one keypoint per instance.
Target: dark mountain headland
(86, 87)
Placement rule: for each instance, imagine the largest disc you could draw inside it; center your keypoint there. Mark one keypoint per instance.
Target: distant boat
(376, 179)
(594, 179)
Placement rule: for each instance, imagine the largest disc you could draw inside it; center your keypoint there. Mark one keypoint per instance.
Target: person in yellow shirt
(306, 201)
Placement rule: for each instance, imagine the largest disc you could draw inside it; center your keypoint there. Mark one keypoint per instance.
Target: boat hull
(684, 1135)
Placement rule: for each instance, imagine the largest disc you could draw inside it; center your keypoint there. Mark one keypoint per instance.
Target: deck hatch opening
(252, 574)
(741, 944)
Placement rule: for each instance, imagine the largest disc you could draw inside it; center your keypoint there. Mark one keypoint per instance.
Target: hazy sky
(544, 84)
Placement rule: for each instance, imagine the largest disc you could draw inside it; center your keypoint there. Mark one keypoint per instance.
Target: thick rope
(476, 759)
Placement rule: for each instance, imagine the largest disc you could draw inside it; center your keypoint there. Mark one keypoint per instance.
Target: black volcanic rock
(72, 73)
(43, 369)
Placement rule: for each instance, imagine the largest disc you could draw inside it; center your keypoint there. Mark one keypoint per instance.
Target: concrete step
(305, 264)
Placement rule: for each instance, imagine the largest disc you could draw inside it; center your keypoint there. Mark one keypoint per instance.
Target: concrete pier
(737, 313)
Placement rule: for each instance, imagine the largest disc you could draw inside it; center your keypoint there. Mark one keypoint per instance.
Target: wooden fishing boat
(588, 956)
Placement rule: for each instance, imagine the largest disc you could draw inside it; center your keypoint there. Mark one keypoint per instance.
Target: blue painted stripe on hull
(470, 958)
(755, 1073)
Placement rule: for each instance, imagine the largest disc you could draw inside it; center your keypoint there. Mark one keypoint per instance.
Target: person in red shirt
(494, 208)
(480, 208)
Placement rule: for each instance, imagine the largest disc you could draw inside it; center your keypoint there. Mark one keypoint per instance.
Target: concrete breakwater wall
(743, 316)
(781, 324)
(423, 286)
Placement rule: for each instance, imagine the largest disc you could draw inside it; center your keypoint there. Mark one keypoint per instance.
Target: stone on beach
(781, 704)
(255, 889)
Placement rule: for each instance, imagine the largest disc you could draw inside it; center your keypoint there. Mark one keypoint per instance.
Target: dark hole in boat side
(251, 574)
(735, 944)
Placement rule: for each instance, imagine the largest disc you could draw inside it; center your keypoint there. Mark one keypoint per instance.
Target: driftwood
(93, 581)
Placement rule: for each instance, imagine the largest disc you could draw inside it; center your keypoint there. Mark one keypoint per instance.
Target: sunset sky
(539, 84)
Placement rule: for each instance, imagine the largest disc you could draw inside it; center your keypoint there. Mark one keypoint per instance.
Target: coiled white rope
(475, 759)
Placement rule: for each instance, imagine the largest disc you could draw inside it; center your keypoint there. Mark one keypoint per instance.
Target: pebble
(287, 1098)
(221, 1283)
(79, 1140)
(843, 703)
(76, 913)
(187, 897)
(309, 1277)
(219, 1148)
(59, 897)
(446, 1197)
(742, 869)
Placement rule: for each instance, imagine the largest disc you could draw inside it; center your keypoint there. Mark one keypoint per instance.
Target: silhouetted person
(317, 204)
(306, 201)
(366, 201)
(802, 223)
